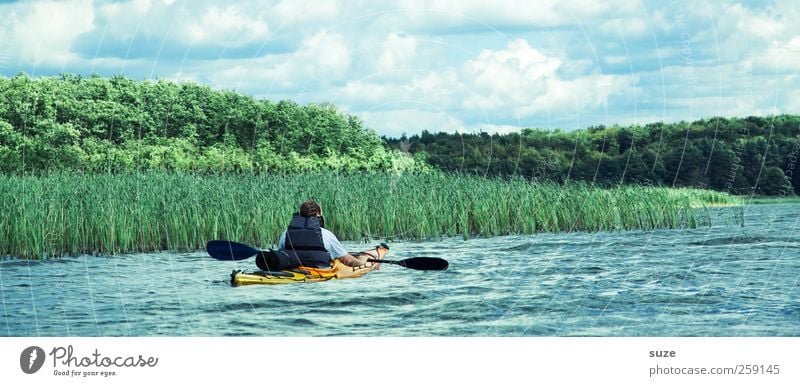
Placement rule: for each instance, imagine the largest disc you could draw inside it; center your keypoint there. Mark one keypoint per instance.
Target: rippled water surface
(719, 281)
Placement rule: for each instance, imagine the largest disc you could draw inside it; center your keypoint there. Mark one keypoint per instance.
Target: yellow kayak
(308, 274)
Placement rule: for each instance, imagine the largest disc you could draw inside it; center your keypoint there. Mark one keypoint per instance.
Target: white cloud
(659, 22)
(506, 77)
(444, 89)
(434, 90)
(518, 58)
(411, 120)
(794, 44)
(778, 58)
(577, 95)
(634, 27)
(123, 20)
(724, 90)
(7, 33)
(322, 59)
(761, 26)
(744, 32)
(228, 26)
(45, 30)
(291, 13)
(366, 93)
(793, 100)
(615, 59)
(399, 52)
(329, 51)
(523, 80)
(513, 83)
(440, 64)
(495, 15)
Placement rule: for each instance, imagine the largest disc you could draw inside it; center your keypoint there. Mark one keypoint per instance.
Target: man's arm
(353, 261)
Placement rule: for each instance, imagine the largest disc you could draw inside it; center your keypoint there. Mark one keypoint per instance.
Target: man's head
(310, 208)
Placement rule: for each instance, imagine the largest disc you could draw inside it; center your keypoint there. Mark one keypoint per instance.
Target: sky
(454, 66)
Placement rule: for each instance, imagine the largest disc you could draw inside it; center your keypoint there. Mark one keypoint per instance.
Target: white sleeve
(282, 241)
(332, 244)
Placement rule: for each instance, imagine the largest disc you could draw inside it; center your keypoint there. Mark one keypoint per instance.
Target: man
(306, 242)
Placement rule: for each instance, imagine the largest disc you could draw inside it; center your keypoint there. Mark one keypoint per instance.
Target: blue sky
(436, 65)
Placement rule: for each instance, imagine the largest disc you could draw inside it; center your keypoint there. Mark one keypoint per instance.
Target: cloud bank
(441, 65)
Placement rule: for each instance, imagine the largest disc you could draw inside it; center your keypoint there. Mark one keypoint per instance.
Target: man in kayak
(306, 242)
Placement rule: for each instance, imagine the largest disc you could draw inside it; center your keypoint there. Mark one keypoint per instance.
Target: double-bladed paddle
(233, 251)
(418, 263)
(230, 250)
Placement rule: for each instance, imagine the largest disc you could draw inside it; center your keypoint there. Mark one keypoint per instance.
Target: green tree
(774, 182)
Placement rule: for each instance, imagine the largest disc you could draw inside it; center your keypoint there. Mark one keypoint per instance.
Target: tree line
(98, 124)
(753, 155)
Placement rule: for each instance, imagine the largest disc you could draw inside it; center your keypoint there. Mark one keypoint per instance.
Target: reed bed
(64, 214)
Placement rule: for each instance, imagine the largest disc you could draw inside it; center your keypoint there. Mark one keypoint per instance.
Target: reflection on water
(720, 281)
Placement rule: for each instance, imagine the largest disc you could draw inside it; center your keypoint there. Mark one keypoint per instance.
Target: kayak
(308, 274)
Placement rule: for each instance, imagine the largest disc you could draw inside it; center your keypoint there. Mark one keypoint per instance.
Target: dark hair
(310, 208)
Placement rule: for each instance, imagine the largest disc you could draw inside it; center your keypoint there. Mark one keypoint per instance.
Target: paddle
(230, 250)
(233, 251)
(418, 263)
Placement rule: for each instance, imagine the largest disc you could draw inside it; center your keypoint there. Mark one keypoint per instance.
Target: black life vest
(304, 242)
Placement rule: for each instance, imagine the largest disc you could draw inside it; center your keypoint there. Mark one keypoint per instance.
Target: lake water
(723, 280)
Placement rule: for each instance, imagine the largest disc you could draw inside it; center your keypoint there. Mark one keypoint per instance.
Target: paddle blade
(425, 263)
(230, 250)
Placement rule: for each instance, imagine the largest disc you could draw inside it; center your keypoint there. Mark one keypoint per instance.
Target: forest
(743, 156)
(96, 124)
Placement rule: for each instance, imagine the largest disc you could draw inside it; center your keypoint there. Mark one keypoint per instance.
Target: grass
(65, 214)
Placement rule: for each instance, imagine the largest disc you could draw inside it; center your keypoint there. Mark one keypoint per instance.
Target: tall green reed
(72, 214)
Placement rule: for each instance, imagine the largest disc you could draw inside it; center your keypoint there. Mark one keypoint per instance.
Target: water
(719, 281)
